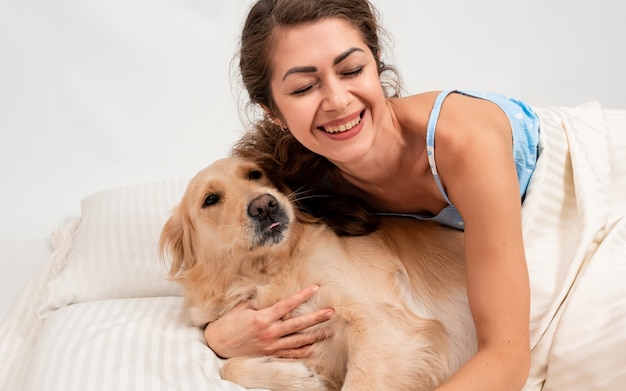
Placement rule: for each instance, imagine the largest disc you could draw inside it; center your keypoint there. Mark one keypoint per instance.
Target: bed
(100, 314)
(85, 84)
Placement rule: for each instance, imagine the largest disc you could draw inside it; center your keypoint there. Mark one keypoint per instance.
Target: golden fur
(401, 320)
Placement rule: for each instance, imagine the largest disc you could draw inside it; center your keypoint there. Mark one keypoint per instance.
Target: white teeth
(343, 127)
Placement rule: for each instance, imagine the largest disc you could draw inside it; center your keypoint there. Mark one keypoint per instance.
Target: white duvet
(99, 314)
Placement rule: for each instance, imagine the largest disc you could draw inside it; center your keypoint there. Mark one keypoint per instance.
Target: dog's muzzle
(269, 219)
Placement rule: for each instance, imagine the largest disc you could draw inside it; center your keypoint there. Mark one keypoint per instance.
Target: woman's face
(326, 86)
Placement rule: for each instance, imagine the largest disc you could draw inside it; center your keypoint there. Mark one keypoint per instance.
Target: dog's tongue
(274, 225)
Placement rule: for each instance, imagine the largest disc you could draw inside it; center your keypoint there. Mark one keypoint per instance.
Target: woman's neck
(395, 175)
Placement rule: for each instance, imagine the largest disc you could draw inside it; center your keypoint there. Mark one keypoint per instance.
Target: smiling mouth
(343, 127)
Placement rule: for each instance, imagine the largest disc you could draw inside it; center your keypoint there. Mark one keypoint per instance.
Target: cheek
(292, 109)
(373, 88)
(299, 115)
(376, 98)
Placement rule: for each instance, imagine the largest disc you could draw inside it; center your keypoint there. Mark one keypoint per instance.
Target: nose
(336, 97)
(262, 207)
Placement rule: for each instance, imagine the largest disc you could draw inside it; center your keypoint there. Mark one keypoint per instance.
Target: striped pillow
(114, 250)
(123, 344)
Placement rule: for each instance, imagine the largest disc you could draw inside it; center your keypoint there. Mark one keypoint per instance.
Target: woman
(462, 159)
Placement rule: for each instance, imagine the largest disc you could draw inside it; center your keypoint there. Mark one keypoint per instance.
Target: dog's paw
(272, 373)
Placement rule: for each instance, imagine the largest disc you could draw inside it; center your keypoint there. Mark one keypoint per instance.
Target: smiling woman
(85, 84)
(321, 69)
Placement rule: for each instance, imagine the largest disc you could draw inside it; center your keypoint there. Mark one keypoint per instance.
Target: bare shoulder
(412, 112)
(464, 120)
(474, 148)
(473, 144)
(467, 126)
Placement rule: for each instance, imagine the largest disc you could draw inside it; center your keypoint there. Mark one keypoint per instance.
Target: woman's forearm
(491, 369)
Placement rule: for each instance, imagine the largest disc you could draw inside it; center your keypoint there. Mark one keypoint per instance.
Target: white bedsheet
(68, 332)
(575, 236)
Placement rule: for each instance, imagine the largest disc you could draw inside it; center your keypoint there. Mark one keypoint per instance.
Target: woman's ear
(273, 117)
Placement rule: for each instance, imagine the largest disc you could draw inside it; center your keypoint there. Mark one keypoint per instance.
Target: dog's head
(230, 210)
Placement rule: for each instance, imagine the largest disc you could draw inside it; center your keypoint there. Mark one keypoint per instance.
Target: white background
(97, 94)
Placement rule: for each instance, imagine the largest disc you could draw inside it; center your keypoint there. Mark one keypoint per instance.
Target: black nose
(262, 207)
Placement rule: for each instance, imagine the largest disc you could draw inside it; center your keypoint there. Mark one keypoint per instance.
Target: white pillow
(114, 250)
(123, 344)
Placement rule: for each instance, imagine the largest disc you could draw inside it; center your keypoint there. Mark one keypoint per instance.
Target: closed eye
(210, 199)
(349, 74)
(354, 72)
(303, 90)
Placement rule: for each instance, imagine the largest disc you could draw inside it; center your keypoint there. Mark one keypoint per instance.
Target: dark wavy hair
(308, 175)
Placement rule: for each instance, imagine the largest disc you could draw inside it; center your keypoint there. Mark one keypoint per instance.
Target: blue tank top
(525, 127)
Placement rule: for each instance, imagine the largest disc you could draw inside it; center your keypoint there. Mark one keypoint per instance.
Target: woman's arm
(248, 332)
(475, 162)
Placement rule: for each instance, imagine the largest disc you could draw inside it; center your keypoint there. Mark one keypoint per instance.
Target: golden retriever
(401, 322)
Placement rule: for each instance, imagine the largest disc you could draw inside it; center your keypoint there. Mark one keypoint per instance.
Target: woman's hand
(247, 332)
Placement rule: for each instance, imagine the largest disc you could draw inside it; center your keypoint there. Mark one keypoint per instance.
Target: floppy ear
(176, 242)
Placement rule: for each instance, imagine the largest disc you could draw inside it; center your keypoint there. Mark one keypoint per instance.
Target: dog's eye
(210, 199)
(254, 175)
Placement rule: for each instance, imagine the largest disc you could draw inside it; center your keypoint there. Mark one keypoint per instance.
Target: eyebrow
(309, 69)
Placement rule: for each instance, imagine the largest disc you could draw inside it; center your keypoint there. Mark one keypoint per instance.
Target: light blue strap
(430, 140)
